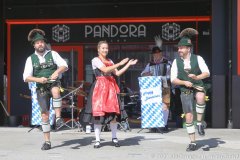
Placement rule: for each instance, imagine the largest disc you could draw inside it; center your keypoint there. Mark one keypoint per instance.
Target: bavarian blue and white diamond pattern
(151, 102)
(36, 110)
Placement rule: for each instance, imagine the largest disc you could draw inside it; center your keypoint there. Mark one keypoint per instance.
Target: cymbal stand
(74, 123)
(62, 125)
(124, 125)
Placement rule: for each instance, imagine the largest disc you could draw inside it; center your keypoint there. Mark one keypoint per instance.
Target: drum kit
(69, 99)
(130, 101)
(132, 105)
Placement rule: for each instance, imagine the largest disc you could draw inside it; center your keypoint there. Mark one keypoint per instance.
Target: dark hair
(156, 49)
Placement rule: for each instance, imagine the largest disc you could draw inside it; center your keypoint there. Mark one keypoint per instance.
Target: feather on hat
(188, 32)
(36, 34)
(186, 36)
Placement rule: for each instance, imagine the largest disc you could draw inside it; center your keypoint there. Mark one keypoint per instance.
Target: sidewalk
(19, 144)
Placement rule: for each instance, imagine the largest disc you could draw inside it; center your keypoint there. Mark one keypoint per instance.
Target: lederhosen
(160, 69)
(103, 103)
(187, 94)
(44, 70)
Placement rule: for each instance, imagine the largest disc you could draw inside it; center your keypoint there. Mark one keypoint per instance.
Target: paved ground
(19, 144)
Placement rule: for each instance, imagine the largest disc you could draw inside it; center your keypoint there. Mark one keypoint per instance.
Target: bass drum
(83, 124)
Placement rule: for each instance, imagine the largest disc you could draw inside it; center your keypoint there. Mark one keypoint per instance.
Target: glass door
(72, 78)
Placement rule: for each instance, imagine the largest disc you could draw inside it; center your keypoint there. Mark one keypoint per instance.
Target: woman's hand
(132, 61)
(124, 61)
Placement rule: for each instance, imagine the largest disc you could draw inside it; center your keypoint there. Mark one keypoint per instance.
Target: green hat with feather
(185, 37)
(35, 35)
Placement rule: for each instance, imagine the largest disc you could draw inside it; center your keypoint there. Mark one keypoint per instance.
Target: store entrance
(72, 78)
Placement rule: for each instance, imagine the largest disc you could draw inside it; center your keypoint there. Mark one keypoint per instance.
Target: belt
(187, 91)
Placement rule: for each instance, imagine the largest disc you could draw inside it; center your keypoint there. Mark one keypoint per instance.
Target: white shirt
(28, 70)
(97, 63)
(201, 63)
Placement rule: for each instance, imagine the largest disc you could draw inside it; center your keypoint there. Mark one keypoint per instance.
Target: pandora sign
(114, 31)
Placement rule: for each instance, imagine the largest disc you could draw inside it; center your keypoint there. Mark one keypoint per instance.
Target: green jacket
(182, 75)
(44, 69)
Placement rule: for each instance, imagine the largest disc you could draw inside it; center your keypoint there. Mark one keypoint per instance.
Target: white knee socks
(113, 127)
(97, 131)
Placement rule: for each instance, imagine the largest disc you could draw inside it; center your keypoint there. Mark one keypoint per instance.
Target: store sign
(115, 31)
(171, 31)
(61, 33)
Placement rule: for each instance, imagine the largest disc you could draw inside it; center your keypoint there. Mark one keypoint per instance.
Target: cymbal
(71, 88)
(25, 96)
(84, 83)
(81, 93)
(134, 95)
(123, 94)
(78, 92)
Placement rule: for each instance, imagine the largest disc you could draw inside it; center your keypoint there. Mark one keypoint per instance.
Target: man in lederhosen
(188, 70)
(44, 67)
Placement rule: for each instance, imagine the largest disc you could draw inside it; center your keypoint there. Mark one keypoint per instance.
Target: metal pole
(72, 73)
(230, 123)
(3, 96)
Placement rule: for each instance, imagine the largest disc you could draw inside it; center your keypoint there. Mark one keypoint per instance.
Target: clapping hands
(132, 61)
(124, 61)
(129, 62)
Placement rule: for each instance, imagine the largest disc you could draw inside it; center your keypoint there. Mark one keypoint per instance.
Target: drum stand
(72, 106)
(74, 123)
(124, 125)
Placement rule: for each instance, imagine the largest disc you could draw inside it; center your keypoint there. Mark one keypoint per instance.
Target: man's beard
(40, 49)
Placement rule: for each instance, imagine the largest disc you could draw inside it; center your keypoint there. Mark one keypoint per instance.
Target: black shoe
(59, 122)
(191, 147)
(166, 128)
(115, 142)
(160, 130)
(97, 145)
(200, 129)
(46, 146)
(163, 129)
(154, 130)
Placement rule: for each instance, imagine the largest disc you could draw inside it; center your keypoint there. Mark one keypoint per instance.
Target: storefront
(76, 41)
(130, 33)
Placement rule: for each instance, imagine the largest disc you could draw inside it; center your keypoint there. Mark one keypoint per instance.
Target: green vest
(44, 69)
(182, 75)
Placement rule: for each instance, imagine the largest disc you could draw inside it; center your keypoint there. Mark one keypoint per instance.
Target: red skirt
(104, 97)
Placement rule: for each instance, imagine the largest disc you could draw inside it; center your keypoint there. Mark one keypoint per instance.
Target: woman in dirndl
(103, 105)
